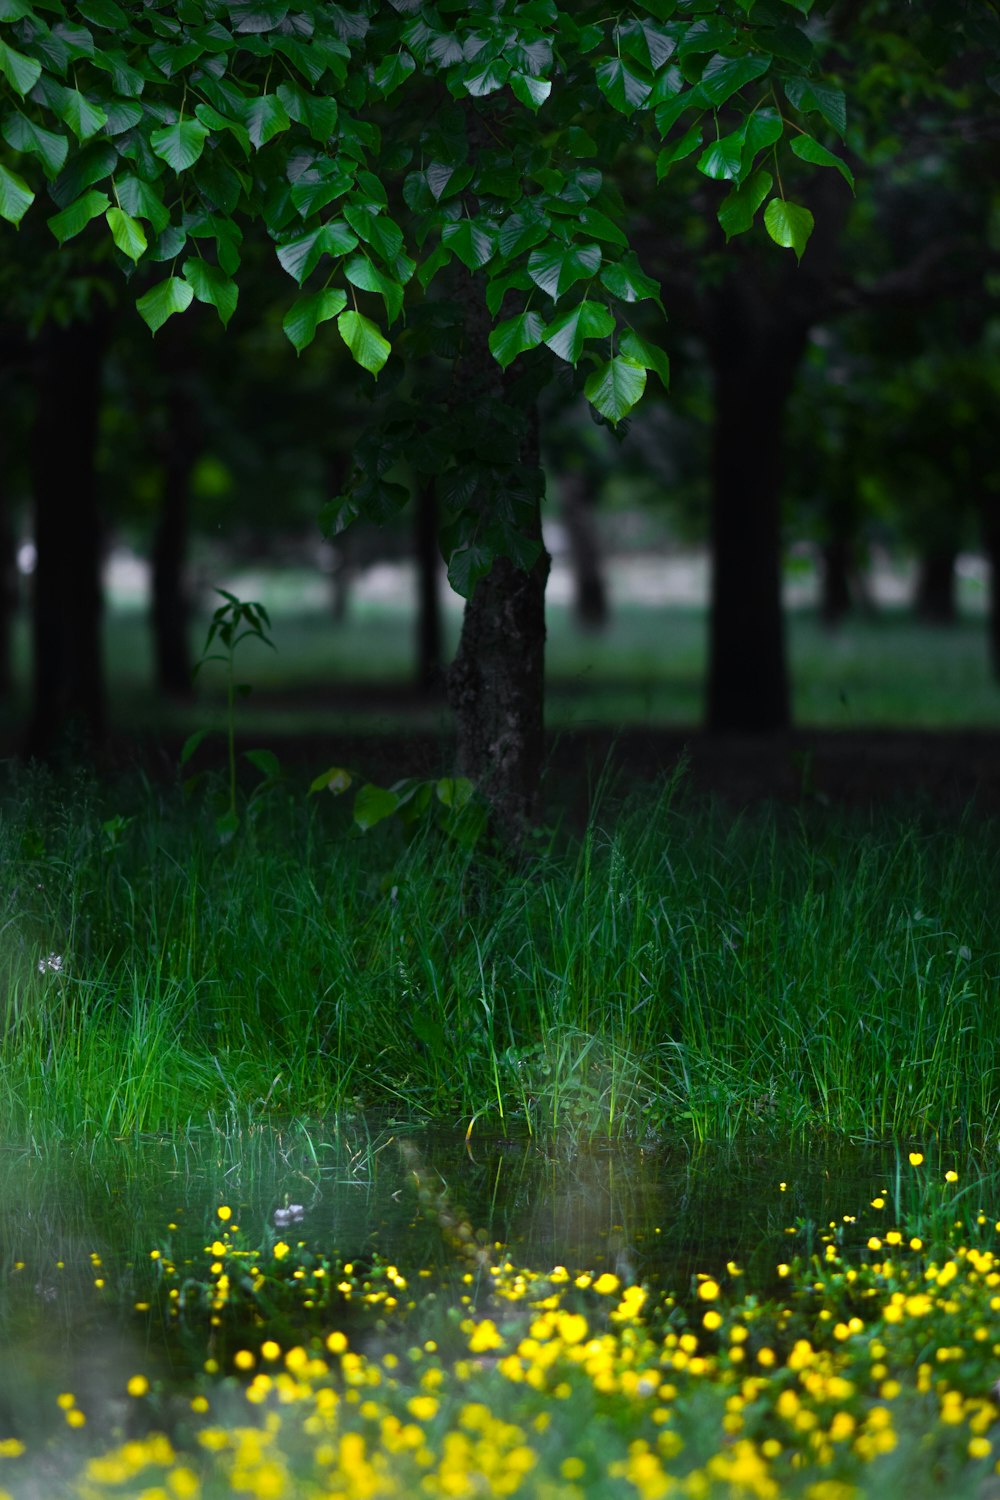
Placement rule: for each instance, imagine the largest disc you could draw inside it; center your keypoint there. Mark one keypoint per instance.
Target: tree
(378, 145)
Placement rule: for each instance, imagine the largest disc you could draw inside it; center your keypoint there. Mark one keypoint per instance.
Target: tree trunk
(170, 612)
(989, 513)
(496, 688)
(430, 636)
(590, 602)
(835, 599)
(936, 601)
(8, 577)
(68, 678)
(496, 682)
(756, 348)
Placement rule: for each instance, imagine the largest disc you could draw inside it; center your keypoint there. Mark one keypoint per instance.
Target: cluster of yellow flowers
(871, 1371)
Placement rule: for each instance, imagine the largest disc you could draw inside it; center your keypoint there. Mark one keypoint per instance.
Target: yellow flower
(423, 1407)
(916, 1158)
(606, 1284)
(224, 1212)
(280, 1250)
(708, 1290)
(137, 1385)
(951, 1177)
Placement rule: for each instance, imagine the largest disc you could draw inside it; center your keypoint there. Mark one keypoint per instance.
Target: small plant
(449, 802)
(232, 623)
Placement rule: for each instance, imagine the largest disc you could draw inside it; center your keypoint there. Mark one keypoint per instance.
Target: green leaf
(566, 334)
(335, 780)
(366, 343)
(515, 335)
(212, 286)
(74, 219)
(592, 221)
(555, 271)
(615, 388)
(82, 117)
(127, 233)
(265, 118)
(624, 88)
(181, 144)
(762, 129)
(376, 229)
(210, 116)
(393, 71)
(650, 356)
(373, 804)
(688, 142)
(522, 230)
(142, 200)
(722, 158)
(22, 73)
(191, 744)
(722, 76)
(303, 253)
(627, 281)
(819, 99)
(24, 135)
(788, 224)
(361, 273)
(454, 791)
(473, 241)
(16, 196)
(14, 10)
(532, 92)
(105, 14)
(466, 566)
(810, 150)
(264, 761)
(163, 300)
(736, 211)
(307, 313)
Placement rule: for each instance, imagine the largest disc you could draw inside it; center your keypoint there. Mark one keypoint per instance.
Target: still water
(77, 1226)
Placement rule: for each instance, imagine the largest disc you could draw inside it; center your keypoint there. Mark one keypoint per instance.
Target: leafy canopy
(340, 128)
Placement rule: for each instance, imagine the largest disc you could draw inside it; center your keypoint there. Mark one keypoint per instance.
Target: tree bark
(68, 678)
(835, 598)
(430, 635)
(590, 602)
(936, 599)
(496, 683)
(756, 349)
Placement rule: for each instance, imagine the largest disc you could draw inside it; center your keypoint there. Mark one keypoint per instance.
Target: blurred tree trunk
(179, 450)
(430, 634)
(8, 575)
(936, 598)
(590, 601)
(68, 678)
(756, 348)
(496, 681)
(835, 598)
(989, 512)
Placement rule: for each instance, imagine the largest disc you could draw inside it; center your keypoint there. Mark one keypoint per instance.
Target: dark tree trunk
(496, 681)
(496, 689)
(835, 599)
(68, 677)
(170, 612)
(8, 577)
(936, 601)
(430, 635)
(756, 349)
(590, 602)
(990, 521)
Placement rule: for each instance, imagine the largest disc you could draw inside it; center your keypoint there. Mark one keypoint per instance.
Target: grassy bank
(675, 969)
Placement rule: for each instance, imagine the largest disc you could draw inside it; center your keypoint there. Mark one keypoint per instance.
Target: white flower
(52, 963)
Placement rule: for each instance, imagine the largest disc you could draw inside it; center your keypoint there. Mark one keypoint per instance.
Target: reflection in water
(76, 1230)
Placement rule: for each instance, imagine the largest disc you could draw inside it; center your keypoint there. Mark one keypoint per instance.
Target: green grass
(676, 969)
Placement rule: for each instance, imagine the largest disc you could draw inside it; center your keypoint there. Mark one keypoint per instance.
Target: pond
(85, 1237)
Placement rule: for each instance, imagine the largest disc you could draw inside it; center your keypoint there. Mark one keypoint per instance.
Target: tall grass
(676, 969)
